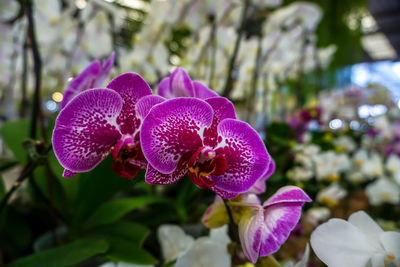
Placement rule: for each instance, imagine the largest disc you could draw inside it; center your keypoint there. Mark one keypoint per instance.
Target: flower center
(128, 158)
(203, 163)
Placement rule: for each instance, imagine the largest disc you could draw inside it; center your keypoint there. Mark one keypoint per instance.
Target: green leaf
(65, 255)
(14, 133)
(122, 250)
(96, 187)
(2, 188)
(131, 231)
(113, 210)
(69, 185)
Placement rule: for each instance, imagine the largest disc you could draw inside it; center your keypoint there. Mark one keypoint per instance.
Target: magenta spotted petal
(259, 187)
(92, 77)
(263, 231)
(131, 87)
(223, 109)
(245, 153)
(145, 104)
(172, 129)
(85, 129)
(155, 177)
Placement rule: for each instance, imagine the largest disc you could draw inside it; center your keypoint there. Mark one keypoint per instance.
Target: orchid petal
(172, 129)
(131, 87)
(92, 76)
(85, 129)
(205, 252)
(223, 193)
(180, 84)
(67, 173)
(164, 89)
(279, 221)
(369, 227)
(174, 241)
(85, 80)
(259, 187)
(223, 109)
(250, 233)
(153, 176)
(338, 242)
(203, 92)
(245, 153)
(391, 242)
(106, 67)
(145, 104)
(287, 194)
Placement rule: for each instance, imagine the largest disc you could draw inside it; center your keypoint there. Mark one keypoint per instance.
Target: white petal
(368, 227)
(338, 243)
(391, 242)
(220, 235)
(173, 240)
(205, 252)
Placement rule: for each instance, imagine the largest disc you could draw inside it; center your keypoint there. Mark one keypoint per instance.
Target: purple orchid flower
(179, 84)
(264, 228)
(259, 187)
(99, 121)
(203, 138)
(92, 77)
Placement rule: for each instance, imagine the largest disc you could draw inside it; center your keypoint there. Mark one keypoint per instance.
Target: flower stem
(233, 230)
(228, 83)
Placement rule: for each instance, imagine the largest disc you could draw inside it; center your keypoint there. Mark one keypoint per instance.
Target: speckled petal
(223, 193)
(67, 173)
(245, 153)
(85, 129)
(163, 88)
(131, 87)
(85, 80)
(259, 187)
(181, 84)
(172, 129)
(203, 92)
(145, 104)
(223, 109)
(155, 177)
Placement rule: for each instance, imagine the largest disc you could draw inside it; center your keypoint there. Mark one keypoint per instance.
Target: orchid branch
(228, 83)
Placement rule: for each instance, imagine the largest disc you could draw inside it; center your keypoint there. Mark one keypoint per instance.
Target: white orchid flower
(358, 242)
(331, 195)
(383, 190)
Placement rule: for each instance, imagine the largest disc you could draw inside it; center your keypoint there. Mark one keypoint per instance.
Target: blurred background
(318, 79)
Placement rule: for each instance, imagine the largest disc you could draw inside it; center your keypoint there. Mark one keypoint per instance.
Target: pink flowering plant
(187, 130)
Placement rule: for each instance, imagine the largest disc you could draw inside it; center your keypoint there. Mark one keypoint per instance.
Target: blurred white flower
(371, 165)
(358, 242)
(345, 143)
(300, 174)
(317, 215)
(208, 251)
(174, 241)
(393, 164)
(383, 190)
(329, 165)
(205, 251)
(331, 195)
(325, 55)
